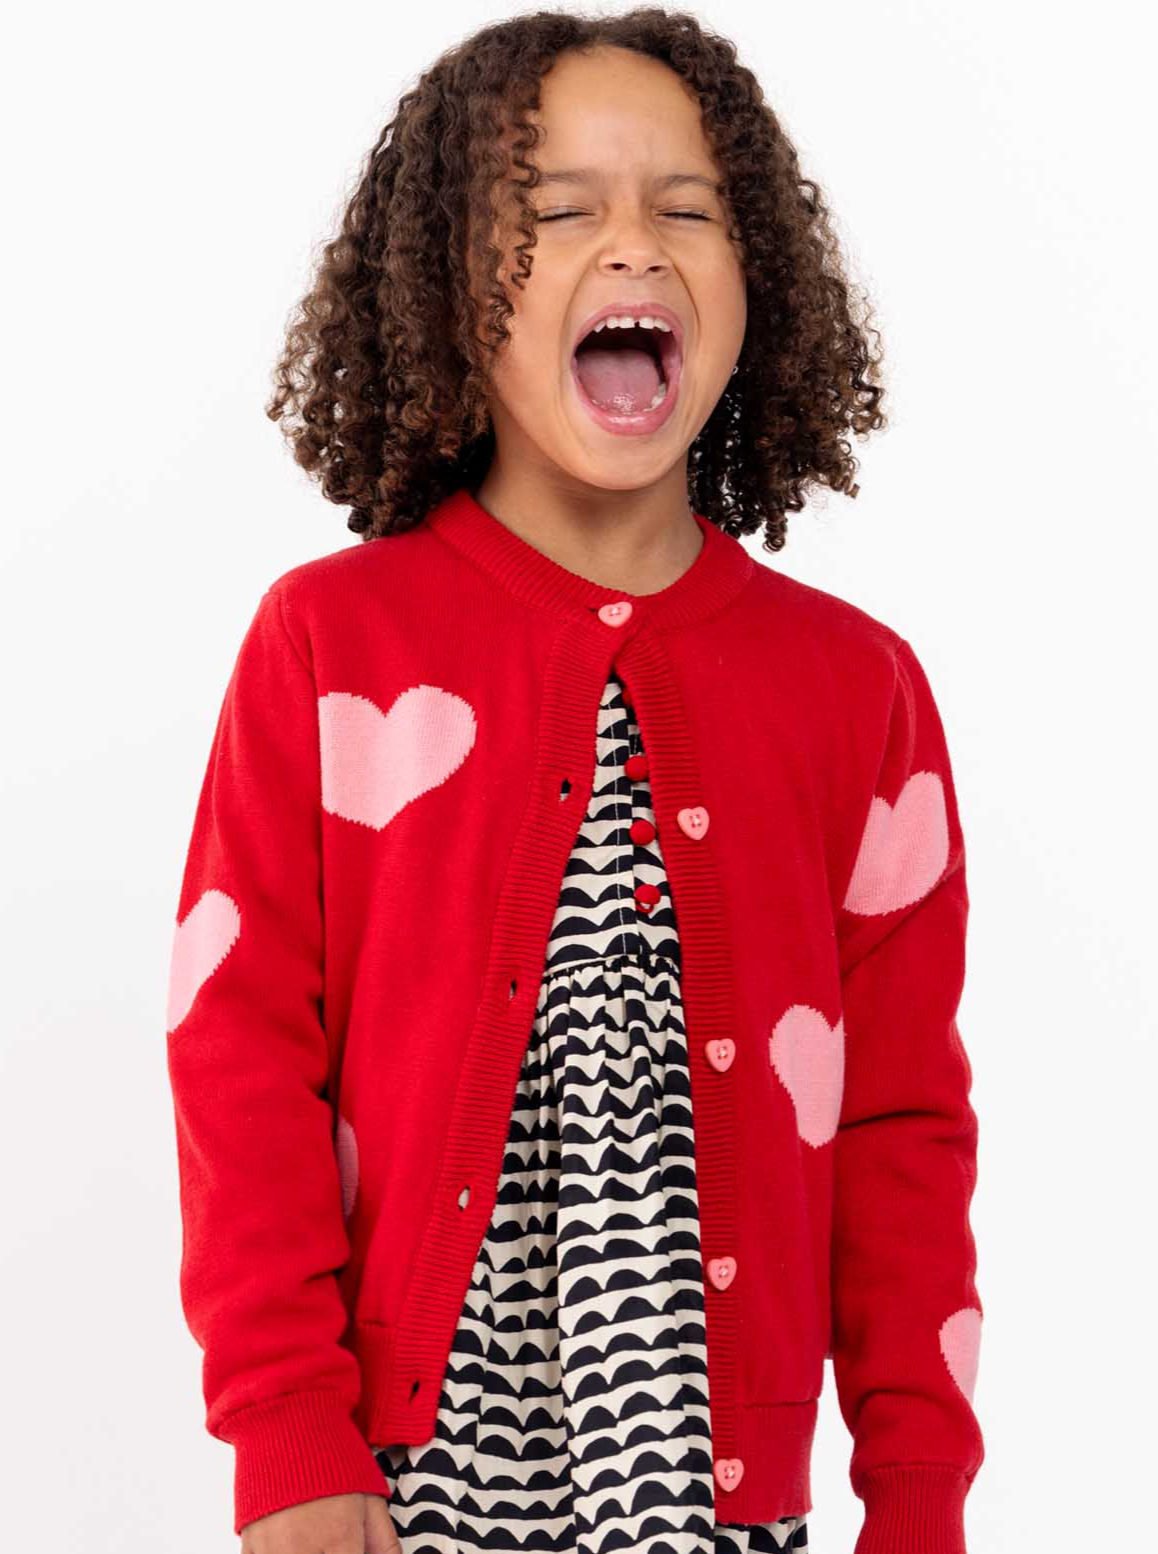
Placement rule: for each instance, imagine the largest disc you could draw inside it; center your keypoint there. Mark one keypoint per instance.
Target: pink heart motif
(903, 850)
(200, 944)
(693, 822)
(808, 1055)
(961, 1346)
(729, 1471)
(615, 614)
(375, 763)
(346, 1149)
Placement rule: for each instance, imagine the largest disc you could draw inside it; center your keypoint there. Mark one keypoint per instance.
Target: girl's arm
(906, 1314)
(260, 1190)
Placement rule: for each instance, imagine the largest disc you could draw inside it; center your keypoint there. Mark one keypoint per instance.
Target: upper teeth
(625, 321)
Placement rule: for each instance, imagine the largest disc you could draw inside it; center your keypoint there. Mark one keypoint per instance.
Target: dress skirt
(574, 1411)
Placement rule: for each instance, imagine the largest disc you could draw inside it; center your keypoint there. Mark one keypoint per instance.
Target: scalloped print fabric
(574, 1411)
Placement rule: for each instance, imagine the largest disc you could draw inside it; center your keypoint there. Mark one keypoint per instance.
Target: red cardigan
(402, 759)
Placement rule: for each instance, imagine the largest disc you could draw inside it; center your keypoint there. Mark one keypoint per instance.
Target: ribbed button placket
(693, 821)
(475, 1137)
(616, 614)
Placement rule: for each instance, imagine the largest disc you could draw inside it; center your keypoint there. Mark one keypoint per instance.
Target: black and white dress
(574, 1411)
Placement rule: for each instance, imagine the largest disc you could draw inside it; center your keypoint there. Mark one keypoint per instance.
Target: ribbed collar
(718, 573)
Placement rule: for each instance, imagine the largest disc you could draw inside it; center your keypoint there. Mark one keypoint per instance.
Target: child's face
(619, 124)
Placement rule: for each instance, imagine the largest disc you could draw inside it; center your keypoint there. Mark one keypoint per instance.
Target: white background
(167, 175)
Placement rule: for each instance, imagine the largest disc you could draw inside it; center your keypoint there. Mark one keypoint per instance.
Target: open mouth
(628, 376)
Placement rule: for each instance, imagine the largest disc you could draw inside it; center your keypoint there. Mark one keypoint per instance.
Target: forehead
(616, 112)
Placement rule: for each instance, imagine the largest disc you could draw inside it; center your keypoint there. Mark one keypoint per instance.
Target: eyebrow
(591, 175)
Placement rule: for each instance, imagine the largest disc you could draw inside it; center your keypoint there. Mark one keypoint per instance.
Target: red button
(721, 1271)
(641, 831)
(615, 614)
(729, 1471)
(647, 895)
(636, 767)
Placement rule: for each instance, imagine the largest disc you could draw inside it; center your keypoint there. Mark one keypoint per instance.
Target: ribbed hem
(917, 1508)
(297, 1448)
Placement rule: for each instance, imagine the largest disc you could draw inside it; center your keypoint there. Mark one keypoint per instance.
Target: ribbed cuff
(914, 1509)
(297, 1448)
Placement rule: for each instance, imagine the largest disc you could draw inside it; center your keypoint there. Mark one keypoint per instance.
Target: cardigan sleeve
(905, 1308)
(260, 1191)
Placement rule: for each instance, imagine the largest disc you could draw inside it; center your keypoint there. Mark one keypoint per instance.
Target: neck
(637, 540)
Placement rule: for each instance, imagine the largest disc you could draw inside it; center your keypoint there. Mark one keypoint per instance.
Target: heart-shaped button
(721, 1271)
(729, 1471)
(720, 1050)
(693, 822)
(615, 614)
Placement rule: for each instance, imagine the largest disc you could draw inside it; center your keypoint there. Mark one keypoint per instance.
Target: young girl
(562, 1016)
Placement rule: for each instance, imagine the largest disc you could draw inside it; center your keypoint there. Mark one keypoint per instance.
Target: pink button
(729, 1471)
(693, 822)
(721, 1271)
(720, 1050)
(615, 614)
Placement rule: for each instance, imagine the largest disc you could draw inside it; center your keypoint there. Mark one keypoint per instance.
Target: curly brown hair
(382, 383)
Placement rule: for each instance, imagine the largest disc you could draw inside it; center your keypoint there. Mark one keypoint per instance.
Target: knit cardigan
(402, 759)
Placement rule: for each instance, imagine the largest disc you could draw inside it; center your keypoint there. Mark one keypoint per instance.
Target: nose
(633, 261)
(633, 265)
(634, 247)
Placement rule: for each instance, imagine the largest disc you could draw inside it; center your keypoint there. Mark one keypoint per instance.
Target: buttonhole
(414, 1388)
(564, 789)
(514, 987)
(464, 1197)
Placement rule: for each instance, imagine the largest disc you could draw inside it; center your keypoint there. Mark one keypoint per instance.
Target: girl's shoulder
(814, 615)
(358, 561)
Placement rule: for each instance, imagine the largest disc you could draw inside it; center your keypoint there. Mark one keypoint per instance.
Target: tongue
(623, 379)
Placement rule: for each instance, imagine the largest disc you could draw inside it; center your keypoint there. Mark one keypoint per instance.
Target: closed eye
(687, 215)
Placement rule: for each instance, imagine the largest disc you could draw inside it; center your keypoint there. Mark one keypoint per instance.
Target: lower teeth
(659, 398)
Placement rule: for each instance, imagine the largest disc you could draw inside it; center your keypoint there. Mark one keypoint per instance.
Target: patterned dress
(574, 1411)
